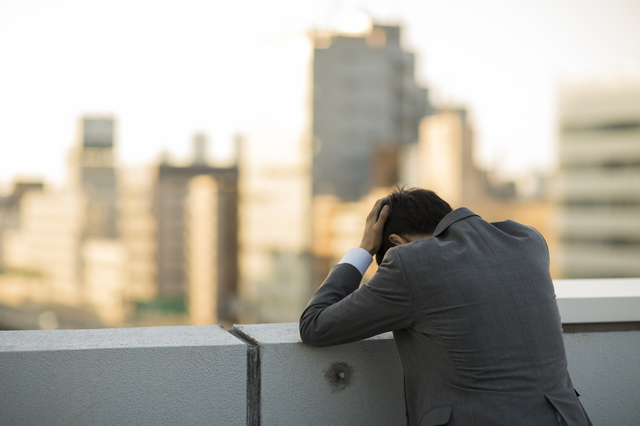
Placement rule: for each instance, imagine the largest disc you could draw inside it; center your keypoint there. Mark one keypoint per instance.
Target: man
(472, 308)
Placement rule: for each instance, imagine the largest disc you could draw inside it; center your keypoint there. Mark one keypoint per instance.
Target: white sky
(166, 70)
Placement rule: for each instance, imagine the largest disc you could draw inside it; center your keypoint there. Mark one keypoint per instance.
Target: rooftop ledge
(264, 375)
(598, 300)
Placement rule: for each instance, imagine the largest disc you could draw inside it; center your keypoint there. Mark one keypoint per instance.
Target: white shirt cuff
(358, 257)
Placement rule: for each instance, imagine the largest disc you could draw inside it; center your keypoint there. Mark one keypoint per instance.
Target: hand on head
(374, 225)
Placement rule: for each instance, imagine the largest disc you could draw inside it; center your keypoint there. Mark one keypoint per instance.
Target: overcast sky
(166, 70)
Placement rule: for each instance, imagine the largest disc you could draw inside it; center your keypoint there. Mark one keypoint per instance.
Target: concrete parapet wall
(142, 376)
(264, 374)
(360, 383)
(605, 368)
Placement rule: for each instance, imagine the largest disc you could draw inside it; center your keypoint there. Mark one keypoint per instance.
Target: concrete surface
(359, 383)
(142, 376)
(598, 300)
(605, 368)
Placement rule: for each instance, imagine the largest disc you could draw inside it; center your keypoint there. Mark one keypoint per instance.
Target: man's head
(414, 214)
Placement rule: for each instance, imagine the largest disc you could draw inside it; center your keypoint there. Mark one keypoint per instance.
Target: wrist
(372, 250)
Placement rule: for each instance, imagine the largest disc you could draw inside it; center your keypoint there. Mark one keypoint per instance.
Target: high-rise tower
(599, 181)
(364, 98)
(97, 176)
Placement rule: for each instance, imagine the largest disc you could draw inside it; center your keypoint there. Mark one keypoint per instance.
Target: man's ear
(398, 240)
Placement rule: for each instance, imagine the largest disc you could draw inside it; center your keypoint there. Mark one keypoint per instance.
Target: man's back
(486, 324)
(475, 322)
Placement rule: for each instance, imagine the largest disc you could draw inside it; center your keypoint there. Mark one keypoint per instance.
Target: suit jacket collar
(454, 216)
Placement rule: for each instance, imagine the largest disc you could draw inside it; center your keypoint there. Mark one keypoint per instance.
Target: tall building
(166, 211)
(364, 97)
(274, 233)
(442, 160)
(598, 186)
(95, 175)
(202, 249)
(172, 191)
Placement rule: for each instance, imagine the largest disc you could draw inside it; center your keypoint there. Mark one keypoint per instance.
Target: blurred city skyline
(166, 71)
(328, 122)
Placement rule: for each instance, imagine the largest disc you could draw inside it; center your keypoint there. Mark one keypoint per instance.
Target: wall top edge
(597, 288)
(115, 338)
(280, 333)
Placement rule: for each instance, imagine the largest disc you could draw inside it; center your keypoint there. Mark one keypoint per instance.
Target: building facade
(173, 191)
(364, 97)
(94, 175)
(598, 187)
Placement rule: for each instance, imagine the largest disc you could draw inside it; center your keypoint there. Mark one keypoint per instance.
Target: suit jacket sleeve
(340, 312)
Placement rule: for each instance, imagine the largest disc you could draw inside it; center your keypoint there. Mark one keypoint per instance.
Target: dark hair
(413, 211)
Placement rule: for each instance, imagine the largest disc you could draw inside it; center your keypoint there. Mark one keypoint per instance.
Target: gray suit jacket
(475, 322)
